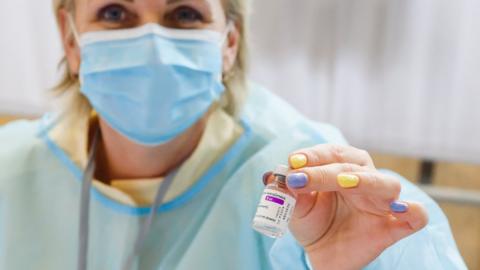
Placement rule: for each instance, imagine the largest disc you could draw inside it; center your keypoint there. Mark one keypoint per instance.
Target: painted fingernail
(399, 207)
(348, 180)
(266, 176)
(298, 161)
(297, 180)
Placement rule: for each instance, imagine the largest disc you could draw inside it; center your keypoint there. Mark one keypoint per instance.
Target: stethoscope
(85, 208)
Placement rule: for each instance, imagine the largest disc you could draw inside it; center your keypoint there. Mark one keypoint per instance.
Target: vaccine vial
(276, 206)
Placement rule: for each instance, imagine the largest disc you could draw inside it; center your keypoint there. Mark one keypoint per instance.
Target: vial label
(275, 209)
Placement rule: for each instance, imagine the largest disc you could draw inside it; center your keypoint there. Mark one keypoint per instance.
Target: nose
(152, 11)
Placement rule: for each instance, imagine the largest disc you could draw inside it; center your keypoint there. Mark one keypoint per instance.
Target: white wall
(400, 76)
(29, 53)
(396, 76)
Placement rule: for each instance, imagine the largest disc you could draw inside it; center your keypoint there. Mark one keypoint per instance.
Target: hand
(347, 212)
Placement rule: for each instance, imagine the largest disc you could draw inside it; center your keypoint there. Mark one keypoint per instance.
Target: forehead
(158, 2)
(217, 8)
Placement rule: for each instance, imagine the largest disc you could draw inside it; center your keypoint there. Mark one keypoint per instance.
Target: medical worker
(156, 160)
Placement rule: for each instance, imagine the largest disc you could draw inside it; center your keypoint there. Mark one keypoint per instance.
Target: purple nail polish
(297, 180)
(399, 207)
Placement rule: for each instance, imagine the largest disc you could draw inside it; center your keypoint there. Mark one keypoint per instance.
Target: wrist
(330, 256)
(320, 259)
(341, 256)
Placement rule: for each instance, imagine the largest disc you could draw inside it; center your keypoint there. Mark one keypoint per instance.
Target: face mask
(151, 83)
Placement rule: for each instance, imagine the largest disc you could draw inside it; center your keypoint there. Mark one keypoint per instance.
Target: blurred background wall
(29, 53)
(400, 78)
(397, 76)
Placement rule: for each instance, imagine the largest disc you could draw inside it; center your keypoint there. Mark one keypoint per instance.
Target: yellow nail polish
(298, 161)
(348, 180)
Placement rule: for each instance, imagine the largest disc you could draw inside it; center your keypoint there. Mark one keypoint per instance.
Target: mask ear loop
(223, 102)
(230, 26)
(76, 36)
(226, 32)
(73, 28)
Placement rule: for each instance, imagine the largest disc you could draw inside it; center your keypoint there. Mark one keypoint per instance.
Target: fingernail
(298, 161)
(348, 180)
(399, 207)
(265, 177)
(297, 180)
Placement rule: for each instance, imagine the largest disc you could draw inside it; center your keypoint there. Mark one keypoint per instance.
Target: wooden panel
(457, 175)
(6, 119)
(465, 221)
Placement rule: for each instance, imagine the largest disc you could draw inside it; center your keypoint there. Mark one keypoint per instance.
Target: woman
(160, 123)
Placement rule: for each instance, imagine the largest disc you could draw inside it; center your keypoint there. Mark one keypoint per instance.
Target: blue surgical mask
(151, 83)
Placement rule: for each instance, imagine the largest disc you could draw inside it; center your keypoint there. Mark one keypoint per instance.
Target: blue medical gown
(207, 227)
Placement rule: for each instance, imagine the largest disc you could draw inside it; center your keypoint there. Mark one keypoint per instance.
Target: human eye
(114, 14)
(185, 17)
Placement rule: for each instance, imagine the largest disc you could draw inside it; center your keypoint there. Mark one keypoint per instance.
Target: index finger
(346, 178)
(323, 154)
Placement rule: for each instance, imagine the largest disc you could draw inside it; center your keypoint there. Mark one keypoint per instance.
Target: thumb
(409, 217)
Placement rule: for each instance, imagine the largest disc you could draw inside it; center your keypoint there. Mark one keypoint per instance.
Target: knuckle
(347, 167)
(311, 153)
(396, 186)
(393, 184)
(364, 154)
(375, 180)
(365, 157)
(321, 176)
(314, 153)
(338, 153)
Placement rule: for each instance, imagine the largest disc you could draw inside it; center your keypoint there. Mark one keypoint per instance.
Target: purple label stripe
(274, 199)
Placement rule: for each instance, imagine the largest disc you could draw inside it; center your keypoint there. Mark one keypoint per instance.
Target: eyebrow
(173, 1)
(168, 1)
(176, 1)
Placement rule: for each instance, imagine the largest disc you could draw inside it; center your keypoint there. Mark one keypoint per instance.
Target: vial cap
(281, 170)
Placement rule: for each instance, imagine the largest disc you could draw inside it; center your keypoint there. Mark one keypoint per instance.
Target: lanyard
(85, 208)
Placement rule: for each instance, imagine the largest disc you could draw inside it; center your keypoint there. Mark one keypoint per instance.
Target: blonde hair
(235, 80)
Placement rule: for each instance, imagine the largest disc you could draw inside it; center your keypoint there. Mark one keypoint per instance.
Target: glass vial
(276, 206)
